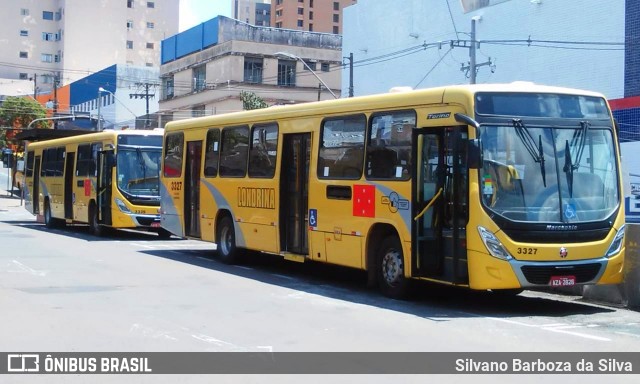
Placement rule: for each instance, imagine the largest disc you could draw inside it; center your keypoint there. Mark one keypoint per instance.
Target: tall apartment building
(70, 39)
(254, 12)
(309, 15)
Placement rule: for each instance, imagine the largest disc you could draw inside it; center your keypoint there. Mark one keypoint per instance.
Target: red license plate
(562, 281)
(155, 225)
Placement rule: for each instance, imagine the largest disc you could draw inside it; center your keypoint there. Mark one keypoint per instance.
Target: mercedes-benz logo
(563, 252)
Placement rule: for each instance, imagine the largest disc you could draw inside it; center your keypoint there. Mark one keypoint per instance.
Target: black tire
(228, 253)
(164, 234)
(94, 226)
(49, 221)
(390, 265)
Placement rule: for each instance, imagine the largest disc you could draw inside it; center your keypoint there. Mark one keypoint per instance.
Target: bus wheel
(49, 221)
(226, 241)
(391, 277)
(94, 225)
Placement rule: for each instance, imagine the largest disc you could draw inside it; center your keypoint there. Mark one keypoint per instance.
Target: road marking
(247, 268)
(27, 269)
(203, 258)
(552, 329)
(284, 277)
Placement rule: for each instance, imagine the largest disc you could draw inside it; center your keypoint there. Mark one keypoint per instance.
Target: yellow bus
(107, 179)
(492, 187)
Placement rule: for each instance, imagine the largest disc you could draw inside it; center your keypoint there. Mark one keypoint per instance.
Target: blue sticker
(570, 211)
(313, 218)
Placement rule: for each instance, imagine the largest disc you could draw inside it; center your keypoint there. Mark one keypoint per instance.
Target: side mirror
(110, 159)
(474, 154)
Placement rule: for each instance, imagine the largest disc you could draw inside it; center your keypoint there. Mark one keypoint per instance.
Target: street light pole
(294, 57)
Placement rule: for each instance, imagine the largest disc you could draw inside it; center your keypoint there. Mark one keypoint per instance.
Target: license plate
(562, 281)
(155, 225)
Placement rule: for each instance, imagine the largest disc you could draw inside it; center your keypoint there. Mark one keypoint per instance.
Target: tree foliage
(252, 101)
(17, 113)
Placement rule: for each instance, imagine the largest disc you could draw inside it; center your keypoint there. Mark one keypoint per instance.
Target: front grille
(542, 274)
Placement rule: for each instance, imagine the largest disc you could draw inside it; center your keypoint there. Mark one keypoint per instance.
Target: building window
(309, 64)
(300, 23)
(310, 3)
(46, 58)
(336, 18)
(199, 78)
(287, 73)
(279, 24)
(24, 76)
(198, 111)
(59, 15)
(46, 15)
(336, 6)
(278, 2)
(24, 55)
(46, 36)
(24, 32)
(150, 25)
(167, 85)
(148, 64)
(310, 27)
(300, 1)
(151, 4)
(324, 67)
(129, 44)
(336, 30)
(56, 58)
(300, 11)
(149, 45)
(279, 13)
(253, 70)
(310, 15)
(129, 24)
(129, 3)
(24, 12)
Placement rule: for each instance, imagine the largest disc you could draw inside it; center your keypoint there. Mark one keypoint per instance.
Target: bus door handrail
(433, 200)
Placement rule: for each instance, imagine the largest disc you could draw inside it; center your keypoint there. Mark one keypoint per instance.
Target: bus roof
(391, 100)
(95, 136)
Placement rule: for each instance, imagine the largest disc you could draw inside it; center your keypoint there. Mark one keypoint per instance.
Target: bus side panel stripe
(222, 203)
(170, 219)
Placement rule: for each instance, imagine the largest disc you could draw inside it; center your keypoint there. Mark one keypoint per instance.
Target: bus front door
(69, 194)
(35, 191)
(294, 193)
(439, 205)
(192, 189)
(106, 163)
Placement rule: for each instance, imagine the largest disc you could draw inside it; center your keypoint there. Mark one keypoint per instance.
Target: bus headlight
(616, 244)
(122, 206)
(494, 246)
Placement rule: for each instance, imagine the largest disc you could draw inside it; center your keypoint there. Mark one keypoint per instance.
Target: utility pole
(350, 58)
(472, 67)
(35, 85)
(146, 87)
(56, 81)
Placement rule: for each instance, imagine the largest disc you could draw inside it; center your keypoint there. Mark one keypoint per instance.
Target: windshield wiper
(142, 163)
(537, 154)
(580, 140)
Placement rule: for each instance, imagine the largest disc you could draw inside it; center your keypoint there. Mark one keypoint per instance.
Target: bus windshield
(138, 170)
(561, 174)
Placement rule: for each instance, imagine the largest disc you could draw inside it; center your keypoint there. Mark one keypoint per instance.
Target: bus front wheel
(391, 279)
(226, 241)
(49, 221)
(94, 225)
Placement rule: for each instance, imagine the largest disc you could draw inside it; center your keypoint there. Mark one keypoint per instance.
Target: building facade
(60, 41)
(205, 69)
(254, 12)
(309, 15)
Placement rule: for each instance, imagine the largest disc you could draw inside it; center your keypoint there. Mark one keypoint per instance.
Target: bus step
(294, 257)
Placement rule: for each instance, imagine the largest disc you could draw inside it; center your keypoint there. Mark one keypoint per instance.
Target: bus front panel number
(176, 185)
(527, 251)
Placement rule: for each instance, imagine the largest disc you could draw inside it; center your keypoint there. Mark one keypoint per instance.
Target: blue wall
(192, 40)
(87, 88)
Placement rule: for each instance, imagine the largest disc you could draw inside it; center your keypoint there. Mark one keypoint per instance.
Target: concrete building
(254, 12)
(205, 68)
(310, 15)
(45, 40)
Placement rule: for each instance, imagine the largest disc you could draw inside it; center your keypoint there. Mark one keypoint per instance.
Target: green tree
(252, 101)
(17, 113)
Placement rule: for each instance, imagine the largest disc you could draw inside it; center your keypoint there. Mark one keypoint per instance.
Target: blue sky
(194, 12)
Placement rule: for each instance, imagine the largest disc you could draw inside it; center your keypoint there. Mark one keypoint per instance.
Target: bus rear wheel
(226, 241)
(49, 221)
(391, 279)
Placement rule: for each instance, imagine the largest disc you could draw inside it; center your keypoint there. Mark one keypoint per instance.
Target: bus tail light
(122, 206)
(494, 246)
(616, 244)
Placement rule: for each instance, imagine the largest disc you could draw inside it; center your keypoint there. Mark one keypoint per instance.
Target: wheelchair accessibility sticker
(570, 211)
(313, 218)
